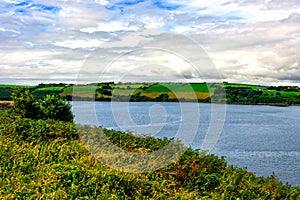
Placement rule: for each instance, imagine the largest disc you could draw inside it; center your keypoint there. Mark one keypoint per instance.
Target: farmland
(236, 93)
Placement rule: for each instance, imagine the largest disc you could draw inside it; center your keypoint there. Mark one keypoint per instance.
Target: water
(264, 139)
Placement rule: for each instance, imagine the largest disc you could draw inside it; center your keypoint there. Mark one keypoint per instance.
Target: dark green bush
(54, 107)
(51, 107)
(25, 104)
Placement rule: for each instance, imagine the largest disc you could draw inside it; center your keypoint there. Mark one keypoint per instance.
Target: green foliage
(45, 159)
(5, 93)
(247, 95)
(104, 91)
(24, 103)
(138, 97)
(162, 98)
(41, 94)
(52, 107)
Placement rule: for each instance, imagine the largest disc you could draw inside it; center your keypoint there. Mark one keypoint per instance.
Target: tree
(162, 97)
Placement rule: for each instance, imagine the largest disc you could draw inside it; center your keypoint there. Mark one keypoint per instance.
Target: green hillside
(45, 159)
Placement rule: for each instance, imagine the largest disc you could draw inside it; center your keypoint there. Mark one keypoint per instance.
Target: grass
(81, 88)
(179, 90)
(85, 91)
(283, 93)
(124, 86)
(186, 95)
(238, 85)
(46, 159)
(15, 86)
(125, 92)
(50, 89)
(178, 87)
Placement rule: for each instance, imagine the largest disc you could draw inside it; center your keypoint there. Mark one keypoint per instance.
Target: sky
(245, 41)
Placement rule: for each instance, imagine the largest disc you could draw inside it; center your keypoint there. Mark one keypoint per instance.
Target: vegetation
(250, 96)
(190, 92)
(51, 107)
(46, 159)
(6, 90)
(25, 104)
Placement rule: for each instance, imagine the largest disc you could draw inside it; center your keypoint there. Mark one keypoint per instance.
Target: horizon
(79, 84)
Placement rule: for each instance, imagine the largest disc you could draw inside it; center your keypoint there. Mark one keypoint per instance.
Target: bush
(52, 107)
(24, 103)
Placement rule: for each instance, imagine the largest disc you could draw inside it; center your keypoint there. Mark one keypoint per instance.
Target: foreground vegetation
(192, 92)
(46, 159)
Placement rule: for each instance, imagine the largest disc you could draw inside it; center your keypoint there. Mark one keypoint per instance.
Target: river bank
(47, 159)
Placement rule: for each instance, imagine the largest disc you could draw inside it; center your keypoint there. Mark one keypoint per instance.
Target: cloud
(248, 41)
(110, 27)
(74, 44)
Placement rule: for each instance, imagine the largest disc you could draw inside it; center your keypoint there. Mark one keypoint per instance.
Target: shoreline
(6, 104)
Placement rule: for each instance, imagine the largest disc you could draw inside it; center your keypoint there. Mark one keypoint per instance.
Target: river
(264, 139)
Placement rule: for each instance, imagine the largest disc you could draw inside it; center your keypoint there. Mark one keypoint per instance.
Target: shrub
(52, 107)
(24, 103)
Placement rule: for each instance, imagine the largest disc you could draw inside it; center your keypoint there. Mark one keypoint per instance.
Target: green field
(15, 86)
(50, 89)
(284, 93)
(81, 88)
(178, 87)
(238, 85)
(125, 86)
(125, 92)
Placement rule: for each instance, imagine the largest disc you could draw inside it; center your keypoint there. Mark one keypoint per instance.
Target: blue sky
(250, 41)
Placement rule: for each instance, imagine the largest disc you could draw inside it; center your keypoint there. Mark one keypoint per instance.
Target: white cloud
(248, 40)
(9, 30)
(74, 44)
(102, 2)
(113, 26)
(153, 22)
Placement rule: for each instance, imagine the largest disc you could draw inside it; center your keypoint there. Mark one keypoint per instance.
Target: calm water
(264, 139)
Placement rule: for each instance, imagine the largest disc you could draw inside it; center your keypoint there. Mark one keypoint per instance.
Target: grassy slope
(46, 159)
